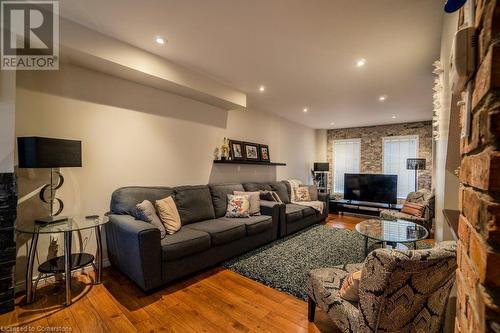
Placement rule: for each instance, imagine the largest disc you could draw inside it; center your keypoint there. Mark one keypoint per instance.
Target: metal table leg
(98, 256)
(29, 271)
(67, 265)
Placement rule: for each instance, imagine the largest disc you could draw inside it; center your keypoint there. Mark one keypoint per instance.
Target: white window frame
(417, 150)
(357, 140)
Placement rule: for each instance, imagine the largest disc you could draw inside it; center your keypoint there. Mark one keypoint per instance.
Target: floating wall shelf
(248, 162)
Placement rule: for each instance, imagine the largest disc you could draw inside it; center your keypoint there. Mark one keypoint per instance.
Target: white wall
(7, 116)
(321, 145)
(446, 183)
(136, 135)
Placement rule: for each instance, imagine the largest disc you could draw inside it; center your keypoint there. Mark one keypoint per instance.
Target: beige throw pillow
(167, 210)
(254, 198)
(270, 196)
(302, 194)
(147, 213)
(350, 288)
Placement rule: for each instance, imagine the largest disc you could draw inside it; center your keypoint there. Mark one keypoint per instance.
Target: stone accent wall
(371, 146)
(478, 251)
(8, 203)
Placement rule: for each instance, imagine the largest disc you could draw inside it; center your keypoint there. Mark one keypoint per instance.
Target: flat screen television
(371, 187)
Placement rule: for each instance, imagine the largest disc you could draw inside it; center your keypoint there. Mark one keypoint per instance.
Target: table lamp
(415, 164)
(38, 152)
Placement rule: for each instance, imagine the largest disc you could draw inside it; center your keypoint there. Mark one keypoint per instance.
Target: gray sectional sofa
(206, 236)
(293, 217)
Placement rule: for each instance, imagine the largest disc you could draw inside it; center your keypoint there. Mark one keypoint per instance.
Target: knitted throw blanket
(294, 184)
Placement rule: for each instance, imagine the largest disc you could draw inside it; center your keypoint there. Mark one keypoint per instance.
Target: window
(346, 159)
(396, 150)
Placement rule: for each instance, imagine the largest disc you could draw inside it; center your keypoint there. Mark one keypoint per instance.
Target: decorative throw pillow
(167, 210)
(313, 191)
(269, 196)
(413, 209)
(238, 206)
(266, 195)
(350, 288)
(302, 194)
(276, 197)
(147, 213)
(254, 198)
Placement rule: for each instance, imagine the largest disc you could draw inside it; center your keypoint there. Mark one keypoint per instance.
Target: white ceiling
(303, 51)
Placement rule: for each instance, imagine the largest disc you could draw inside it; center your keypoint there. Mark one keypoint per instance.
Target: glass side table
(391, 232)
(68, 262)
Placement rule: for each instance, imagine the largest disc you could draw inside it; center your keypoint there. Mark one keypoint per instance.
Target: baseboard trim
(21, 285)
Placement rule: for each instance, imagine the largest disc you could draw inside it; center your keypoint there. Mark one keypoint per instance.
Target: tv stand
(360, 207)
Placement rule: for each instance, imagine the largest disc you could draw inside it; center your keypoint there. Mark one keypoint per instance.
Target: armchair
(423, 197)
(400, 291)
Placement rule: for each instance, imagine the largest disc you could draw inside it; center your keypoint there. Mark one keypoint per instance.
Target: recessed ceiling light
(305, 110)
(382, 98)
(262, 88)
(332, 123)
(160, 40)
(360, 62)
(393, 117)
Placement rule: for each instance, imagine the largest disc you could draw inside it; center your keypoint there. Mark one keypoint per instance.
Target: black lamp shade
(321, 166)
(415, 164)
(453, 5)
(37, 152)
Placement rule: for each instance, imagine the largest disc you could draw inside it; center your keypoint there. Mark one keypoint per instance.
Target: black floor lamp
(415, 164)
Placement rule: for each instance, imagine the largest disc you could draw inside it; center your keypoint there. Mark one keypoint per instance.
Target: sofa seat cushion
(221, 231)
(183, 243)
(308, 211)
(255, 224)
(219, 196)
(125, 199)
(293, 212)
(390, 214)
(281, 189)
(194, 203)
(254, 187)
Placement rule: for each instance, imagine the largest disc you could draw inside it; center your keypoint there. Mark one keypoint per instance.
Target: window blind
(346, 159)
(396, 151)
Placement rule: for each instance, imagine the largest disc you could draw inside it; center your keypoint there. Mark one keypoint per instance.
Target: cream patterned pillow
(302, 194)
(169, 216)
(254, 198)
(238, 206)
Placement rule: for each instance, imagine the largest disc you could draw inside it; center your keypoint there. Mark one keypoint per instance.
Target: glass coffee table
(391, 233)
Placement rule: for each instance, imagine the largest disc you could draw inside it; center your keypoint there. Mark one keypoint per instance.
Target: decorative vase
(225, 150)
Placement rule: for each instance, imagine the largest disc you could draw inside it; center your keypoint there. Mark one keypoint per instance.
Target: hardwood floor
(217, 300)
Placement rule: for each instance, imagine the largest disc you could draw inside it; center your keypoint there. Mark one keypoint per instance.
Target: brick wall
(8, 203)
(478, 253)
(371, 146)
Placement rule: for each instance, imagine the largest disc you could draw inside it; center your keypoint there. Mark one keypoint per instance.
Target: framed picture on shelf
(251, 151)
(264, 153)
(236, 149)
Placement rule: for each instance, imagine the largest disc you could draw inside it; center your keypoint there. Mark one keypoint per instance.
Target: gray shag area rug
(283, 264)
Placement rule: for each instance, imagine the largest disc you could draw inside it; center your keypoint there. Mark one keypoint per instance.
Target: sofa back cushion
(281, 189)
(125, 199)
(254, 187)
(194, 203)
(219, 194)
